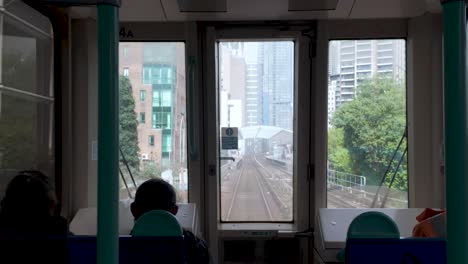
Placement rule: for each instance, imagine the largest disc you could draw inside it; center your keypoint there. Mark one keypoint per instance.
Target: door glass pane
(256, 97)
(161, 67)
(367, 143)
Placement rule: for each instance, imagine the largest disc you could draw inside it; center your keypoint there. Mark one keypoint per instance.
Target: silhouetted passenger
(157, 194)
(28, 206)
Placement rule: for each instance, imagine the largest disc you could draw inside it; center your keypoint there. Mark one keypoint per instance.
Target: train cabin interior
(293, 131)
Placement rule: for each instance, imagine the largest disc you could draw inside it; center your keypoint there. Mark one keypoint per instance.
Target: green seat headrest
(373, 225)
(370, 225)
(157, 223)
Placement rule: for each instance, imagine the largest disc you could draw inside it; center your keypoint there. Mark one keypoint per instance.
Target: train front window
(154, 147)
(367, 124)
(256, 122)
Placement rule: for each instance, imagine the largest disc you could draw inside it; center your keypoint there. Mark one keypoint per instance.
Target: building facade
(157, 75)
(277, 59)
(353, 61)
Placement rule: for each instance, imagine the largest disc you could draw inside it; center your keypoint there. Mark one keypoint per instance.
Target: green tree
(338, 155)
(372, 125)
(23, 122)
(151, 170)
(128, 136)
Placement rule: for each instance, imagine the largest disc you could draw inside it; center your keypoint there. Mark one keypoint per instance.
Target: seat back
(140, 250)
(157, 223)
(370, 225)
(390, 251)
(373, 225)
(33, 249)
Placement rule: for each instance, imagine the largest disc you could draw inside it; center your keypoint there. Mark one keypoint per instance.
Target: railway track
(250, 199)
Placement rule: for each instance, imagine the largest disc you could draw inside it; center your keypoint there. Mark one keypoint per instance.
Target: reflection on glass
(157, 147)
(367, 142)
(26, 97)
(256, 96)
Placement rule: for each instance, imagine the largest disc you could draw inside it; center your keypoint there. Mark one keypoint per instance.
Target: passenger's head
(28, 194)
(154, 194)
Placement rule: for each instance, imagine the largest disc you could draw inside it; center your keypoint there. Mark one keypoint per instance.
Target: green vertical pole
(456, 133)
(108, 136)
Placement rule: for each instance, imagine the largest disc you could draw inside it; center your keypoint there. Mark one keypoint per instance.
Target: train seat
(370, 225)
(157, 223)
(33, 249)
(389, 251)
(138, 250)
(333, 225)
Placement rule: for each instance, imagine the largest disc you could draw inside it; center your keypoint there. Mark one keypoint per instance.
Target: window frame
(357, 80)
(303, 198)
(186, 33)
(56, 82)
(253, 112)
(301, 83)
(349, 30)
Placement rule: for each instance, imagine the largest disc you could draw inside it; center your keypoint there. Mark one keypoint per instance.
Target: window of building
(163, 64)
(385, 61)
(364, 67)
(146, 75)
(386, 53)
(125, 51)
(166, 98)
(347, 56)
(159, 74)
(364, 54)
(167, 143)
(125, 72)
(364, 140)
(385, 68)
(364, 61)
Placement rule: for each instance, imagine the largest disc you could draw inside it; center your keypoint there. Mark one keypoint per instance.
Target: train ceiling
(230, 10)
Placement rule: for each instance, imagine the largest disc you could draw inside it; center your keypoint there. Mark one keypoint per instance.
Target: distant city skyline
(266, 70)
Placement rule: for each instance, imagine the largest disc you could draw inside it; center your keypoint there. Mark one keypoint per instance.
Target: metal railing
(345, 180)
(354, 187)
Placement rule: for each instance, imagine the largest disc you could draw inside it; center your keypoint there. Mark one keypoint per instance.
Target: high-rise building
(333, 95)
(334, 58)
(277, 59)
(253, 94)
(232, 85)
(363, 59)
(260, 74)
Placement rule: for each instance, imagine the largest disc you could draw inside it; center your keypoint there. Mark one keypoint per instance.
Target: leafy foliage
(338, 154)
(151, 171)
(23, 122)
(128, 135)
(367, 130)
